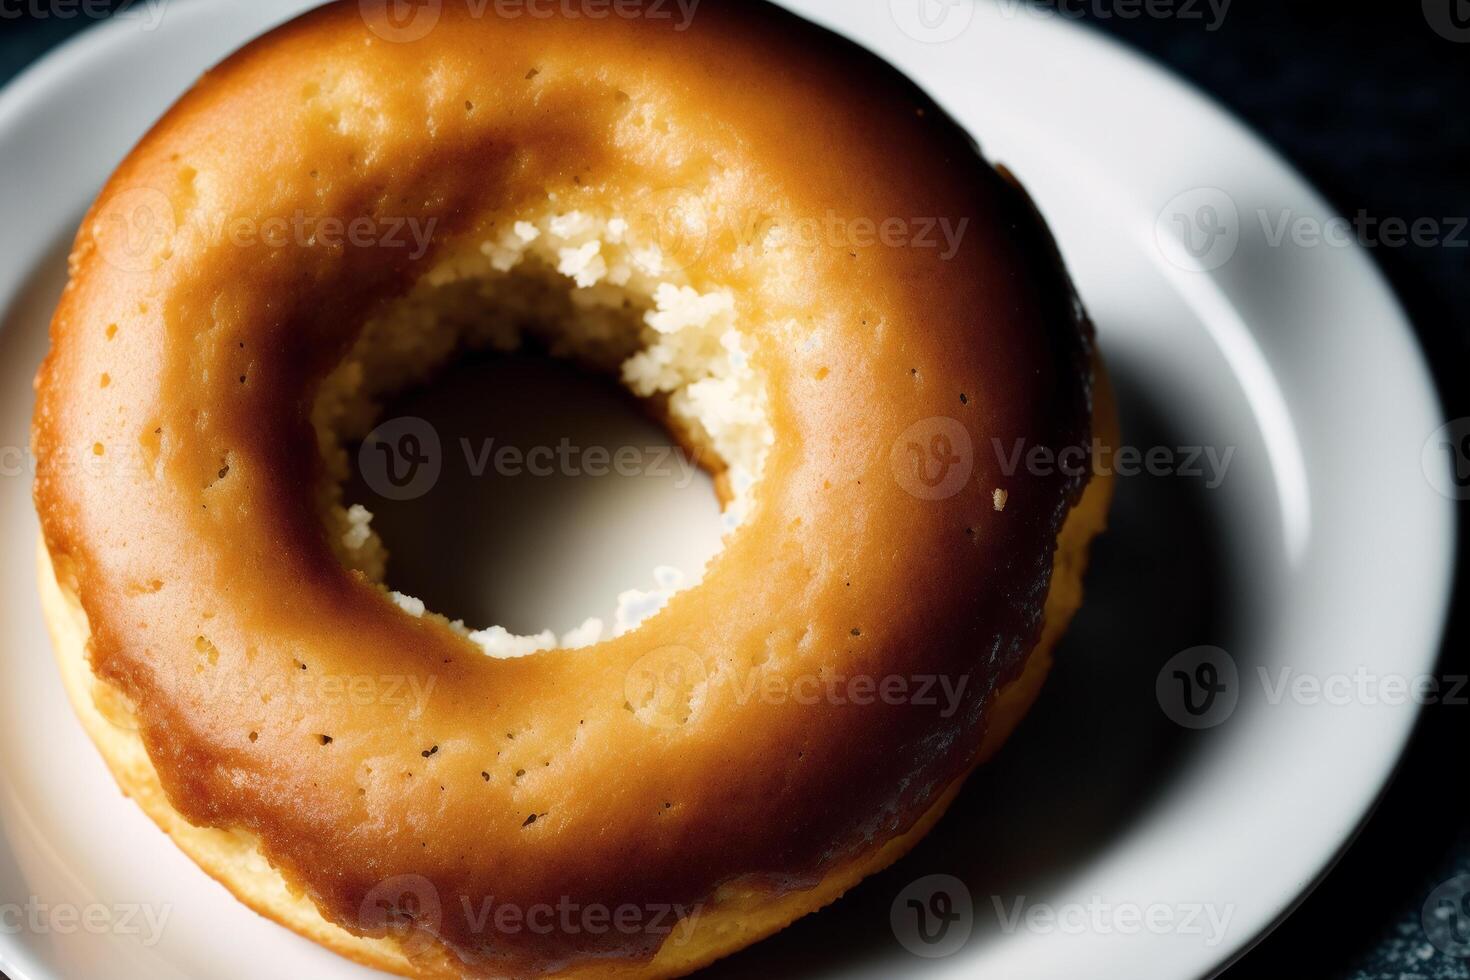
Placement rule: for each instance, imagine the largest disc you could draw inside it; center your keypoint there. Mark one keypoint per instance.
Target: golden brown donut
(187, 433)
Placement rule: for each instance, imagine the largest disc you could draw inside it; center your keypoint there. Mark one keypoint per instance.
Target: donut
(780, 244)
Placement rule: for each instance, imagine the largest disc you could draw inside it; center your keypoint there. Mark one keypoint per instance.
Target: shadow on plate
(1095, 754)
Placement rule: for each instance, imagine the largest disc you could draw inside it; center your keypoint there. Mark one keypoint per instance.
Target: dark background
(1375, 110)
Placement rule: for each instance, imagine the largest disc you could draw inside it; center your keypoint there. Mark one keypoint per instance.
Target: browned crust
(727, 925)
(185, 577)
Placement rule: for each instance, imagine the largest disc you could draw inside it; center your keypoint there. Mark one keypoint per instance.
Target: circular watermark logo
(933, 458)
(401, 459)
(134, 228)
(664, 686)
(1199, 687)
(933, 916)
(678, 222)
(406, 907)
(1445, 460)
(1446, 917)
(1198, 230)
(401, 21)
(1449, 18)
(932, 21)
(115, 706)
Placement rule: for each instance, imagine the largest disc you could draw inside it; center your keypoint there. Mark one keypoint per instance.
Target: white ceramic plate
(1324, 551)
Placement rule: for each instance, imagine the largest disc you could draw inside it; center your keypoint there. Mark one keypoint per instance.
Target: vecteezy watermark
(401, 21)
(566, 917)
(1361, 686)
(1202, 228)
(1286, 226)
(684, 227)
(665, 687)
(138, 227)
(304, 688)
(933, 916)
(1201, 687)
(21, 461)
(569, 459)
(135, 229)
(932, 21)
(411, 908)
(406, 907)
(37, 917)
(86, 460)
(1445, 459)
(403, 459)
(933, 458)
(940, 21)
(1097, 916)
(1446, 917)
(1211, 13)
(677, 221)
(1450, 19)
(1198, 230)
(921, 690)
(836, 231)
(406, 21)
(1207, 463)
(1198, 688)
(147, 13)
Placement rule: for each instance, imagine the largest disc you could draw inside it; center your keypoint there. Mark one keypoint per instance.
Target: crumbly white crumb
(359, 527)
(502, 644)
(636, 605)
(999, 498)
(583, 636)
(414, 607)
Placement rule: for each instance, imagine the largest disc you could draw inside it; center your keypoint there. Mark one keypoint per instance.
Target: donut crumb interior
(583, 287)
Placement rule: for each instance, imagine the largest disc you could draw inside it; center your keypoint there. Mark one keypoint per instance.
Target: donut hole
(573, 286)
(558, 491)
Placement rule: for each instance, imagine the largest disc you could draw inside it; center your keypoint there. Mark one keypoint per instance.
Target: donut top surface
(177, 461)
